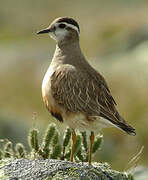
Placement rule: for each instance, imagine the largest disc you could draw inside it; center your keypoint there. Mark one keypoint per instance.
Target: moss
(104, 173)
(68, 174)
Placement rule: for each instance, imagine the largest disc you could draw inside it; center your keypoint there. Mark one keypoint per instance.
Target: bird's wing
(86, 92)
(107, 105)
(74, 91)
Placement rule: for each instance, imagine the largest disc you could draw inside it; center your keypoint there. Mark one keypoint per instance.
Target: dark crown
(69, 21)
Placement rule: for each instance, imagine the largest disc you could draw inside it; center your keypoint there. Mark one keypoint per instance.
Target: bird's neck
(67, 54)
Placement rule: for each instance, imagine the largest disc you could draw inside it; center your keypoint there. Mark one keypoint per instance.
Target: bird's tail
(122, 124)
(119, 122)
(127, 128)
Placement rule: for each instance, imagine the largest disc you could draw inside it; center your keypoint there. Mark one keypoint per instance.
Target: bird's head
(63, 30)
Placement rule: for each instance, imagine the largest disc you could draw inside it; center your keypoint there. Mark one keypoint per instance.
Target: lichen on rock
(58, 170)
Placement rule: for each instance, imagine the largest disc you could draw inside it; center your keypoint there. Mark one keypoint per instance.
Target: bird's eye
(62, 26)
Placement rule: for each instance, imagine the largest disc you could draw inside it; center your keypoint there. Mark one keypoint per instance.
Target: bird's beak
(47, 30)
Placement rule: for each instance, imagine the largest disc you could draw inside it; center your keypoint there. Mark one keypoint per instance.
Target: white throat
(60, 34)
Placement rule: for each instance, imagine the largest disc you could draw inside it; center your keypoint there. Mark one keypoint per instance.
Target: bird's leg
(73, 143)
(92, 137)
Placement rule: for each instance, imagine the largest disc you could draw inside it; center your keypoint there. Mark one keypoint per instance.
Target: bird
(73, 91)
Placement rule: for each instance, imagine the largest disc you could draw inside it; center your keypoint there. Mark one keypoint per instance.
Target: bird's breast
(48, 99)
(46, 85)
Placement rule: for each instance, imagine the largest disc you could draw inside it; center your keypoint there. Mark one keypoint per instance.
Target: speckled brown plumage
(88, 93)
(73, 91)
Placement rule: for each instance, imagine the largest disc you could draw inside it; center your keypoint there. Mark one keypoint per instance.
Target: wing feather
(74, 91)
(86, 92)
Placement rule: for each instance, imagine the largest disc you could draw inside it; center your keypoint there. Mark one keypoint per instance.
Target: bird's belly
(84, 123)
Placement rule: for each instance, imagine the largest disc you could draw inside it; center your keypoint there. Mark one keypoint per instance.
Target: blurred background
(114, 38)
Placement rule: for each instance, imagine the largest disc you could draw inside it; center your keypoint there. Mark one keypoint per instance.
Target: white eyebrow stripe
(71, 26)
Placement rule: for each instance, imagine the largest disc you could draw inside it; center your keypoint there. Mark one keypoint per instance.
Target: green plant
(8, 150)
(33, 140)
(50, 146)
(20, 150)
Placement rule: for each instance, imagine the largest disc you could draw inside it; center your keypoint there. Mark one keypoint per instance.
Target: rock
(12, 169)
